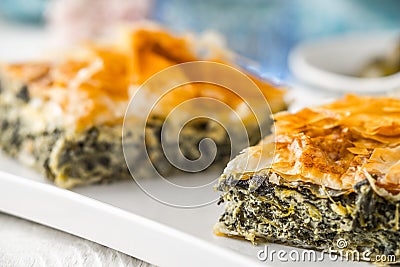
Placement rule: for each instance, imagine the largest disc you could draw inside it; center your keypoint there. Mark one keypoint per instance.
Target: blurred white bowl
(332, 63)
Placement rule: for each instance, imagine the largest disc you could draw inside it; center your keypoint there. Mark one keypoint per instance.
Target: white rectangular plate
(119, 215)
(122, 217)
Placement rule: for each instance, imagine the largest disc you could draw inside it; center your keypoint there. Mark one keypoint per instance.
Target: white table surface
(24, 243)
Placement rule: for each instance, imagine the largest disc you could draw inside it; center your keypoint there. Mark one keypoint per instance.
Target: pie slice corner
(328, 173)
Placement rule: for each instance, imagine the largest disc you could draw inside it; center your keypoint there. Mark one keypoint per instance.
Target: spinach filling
(299, 215)
(96, 155)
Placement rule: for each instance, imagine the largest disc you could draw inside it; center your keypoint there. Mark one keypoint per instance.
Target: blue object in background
(266, 30)
(23, 10)
(251, 28)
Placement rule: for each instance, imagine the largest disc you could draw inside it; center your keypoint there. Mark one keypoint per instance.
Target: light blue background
(263, 30)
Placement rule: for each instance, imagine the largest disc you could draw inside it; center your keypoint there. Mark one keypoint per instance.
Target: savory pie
(328, 173)
(65, 116)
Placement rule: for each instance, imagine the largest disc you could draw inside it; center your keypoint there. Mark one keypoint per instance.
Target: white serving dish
(332, 62)
(120, 215)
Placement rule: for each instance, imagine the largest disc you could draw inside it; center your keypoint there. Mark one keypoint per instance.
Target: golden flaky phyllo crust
(335, 146)
(92, 85)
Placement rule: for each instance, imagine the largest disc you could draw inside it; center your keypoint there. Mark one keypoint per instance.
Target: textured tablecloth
(24, 243)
